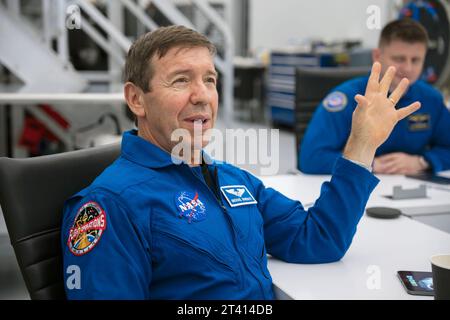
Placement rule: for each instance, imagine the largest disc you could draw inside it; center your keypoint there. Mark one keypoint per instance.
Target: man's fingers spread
(400, 90)
(361, 100)
(406, 111)
(375, 72)
(385, 83)
(374, 78)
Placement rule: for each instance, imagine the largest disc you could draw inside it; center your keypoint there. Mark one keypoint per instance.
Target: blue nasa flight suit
(426, 132)
(157, 231)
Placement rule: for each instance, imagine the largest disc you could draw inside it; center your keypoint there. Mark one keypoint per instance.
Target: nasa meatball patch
(87, 229)
(335, 101)
(190, 206)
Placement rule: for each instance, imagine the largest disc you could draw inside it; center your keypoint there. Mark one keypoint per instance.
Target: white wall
(279, 23)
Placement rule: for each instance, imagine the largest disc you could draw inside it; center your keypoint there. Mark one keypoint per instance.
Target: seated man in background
(154, 227)
(420, 142)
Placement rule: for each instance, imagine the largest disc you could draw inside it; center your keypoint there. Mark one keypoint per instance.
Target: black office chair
(32, 195)
(312, 84)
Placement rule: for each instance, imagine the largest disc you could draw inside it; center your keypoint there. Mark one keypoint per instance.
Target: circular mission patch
(88, 227)
(335, 101)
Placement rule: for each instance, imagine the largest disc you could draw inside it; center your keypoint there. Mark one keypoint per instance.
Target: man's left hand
(398, 163)
(375, 116)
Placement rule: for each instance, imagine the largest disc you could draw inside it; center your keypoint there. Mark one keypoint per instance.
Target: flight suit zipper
(219, 200)
(234, 233)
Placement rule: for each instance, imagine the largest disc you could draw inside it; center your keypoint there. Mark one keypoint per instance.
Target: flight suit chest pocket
(174, 243)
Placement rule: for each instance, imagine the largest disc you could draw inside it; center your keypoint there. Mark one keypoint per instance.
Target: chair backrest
(32, 195)
(312, 85)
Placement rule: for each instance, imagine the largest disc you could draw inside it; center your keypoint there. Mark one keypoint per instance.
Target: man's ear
(376, 54)
(134, 96)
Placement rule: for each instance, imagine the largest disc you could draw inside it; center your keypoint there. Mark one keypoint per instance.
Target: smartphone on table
(417, 282)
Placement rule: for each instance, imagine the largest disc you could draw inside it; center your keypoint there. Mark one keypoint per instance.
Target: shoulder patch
(335, 101)
(87, 228)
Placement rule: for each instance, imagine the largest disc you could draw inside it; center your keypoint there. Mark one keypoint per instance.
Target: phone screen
(417, 282)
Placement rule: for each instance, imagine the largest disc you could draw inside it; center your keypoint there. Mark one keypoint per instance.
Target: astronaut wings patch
(237, 195)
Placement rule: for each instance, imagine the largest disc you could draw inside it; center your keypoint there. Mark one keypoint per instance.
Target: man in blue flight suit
(420, 142)
(153, 227)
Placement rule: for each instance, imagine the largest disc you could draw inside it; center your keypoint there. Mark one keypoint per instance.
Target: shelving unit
(281, 81)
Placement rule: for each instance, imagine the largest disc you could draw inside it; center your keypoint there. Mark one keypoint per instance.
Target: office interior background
(61, 68)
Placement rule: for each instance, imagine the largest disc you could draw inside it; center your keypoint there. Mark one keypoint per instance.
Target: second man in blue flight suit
(420, 142)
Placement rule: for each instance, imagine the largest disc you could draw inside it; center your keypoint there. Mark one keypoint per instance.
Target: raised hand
(375, 115)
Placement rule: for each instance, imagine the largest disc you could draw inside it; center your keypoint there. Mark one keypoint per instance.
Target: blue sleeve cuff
(359, 164)
(355, 171)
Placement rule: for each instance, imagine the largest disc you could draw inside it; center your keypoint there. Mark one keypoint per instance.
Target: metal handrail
(140, 14)
(103, 42)
(55, 98)
(172, 13)
(28, 101)
(105, 24)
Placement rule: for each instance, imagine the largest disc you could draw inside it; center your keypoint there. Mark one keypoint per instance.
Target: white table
(380, 247)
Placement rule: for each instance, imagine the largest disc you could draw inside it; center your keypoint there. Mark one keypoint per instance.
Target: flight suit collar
(144, 153)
